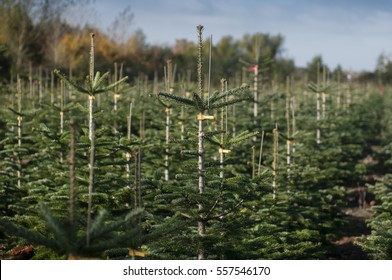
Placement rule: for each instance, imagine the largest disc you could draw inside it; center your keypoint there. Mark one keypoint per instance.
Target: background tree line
(34, 32)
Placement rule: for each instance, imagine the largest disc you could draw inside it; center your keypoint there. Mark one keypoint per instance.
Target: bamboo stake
(128, 155)
(61, 114)
(137, 195)
(129, 121)
(234, 121)
(209, 72)
(318, 132)
(19, 118)
(182, 125)
(61, 106)
(92, 144)
(221, 154)
(142, 125)
(255, 92)
(288, 125)
(293, 124)
(168, 110)
(72, 180)
(167, 144)
(139, 176)
(253, 162)
(272, 102)
(200, 165)
(155, 83)
(255, 79)
(31, 80)
(324, 95)
(275, 161)
(261, 152)
(339, 92)
(349, 92)
(46, 84)
(51, 87)
(115, 94)
(226, 112)
(70, 89)
(40, 85)
(12, 94)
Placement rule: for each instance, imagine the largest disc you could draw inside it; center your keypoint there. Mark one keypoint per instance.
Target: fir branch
(210, 134)
(161, 102)
(12, 229)
(16, 112)
(99, 229)
(111, 86)
(199, 103)
(178, 99)
(98, 80)
(244, 89)
(230, 102)
(57, 229)
(242, 137)
(169, 225)
(117, 239)
(229, 211)
(213, 207)
(213, 140)
(98, 222)
(70, 82)
(318, 89)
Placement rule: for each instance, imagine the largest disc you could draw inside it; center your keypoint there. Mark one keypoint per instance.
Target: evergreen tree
(212, 198)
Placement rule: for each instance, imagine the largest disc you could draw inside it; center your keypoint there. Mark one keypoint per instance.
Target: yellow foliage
(75, 48)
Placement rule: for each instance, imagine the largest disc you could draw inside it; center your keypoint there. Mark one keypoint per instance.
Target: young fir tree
(71, 235)
(94, 86)
(66, 234)
(378, 244)
(214, 198)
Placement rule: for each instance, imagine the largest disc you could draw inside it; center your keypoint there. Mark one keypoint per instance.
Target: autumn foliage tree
(36, 32)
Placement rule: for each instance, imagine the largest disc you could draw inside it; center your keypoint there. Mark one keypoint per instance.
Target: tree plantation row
(172, 168)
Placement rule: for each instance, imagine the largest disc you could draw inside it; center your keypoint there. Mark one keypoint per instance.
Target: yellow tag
(128, 155)
(135, 253)
(202, 117)
(180, 123)
(171, 90)
(91, 97)
(224, 151)
(19, 118)
(117, 95)
(167, 110)
(61, 113)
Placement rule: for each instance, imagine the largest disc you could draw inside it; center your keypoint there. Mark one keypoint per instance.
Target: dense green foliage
(378, 243)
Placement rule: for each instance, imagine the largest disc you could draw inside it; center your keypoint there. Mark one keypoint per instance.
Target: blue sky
(347, 32)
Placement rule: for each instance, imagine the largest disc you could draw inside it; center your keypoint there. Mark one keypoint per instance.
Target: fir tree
(209, 195)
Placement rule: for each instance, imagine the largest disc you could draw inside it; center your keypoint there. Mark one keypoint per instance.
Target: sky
(352, 33)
